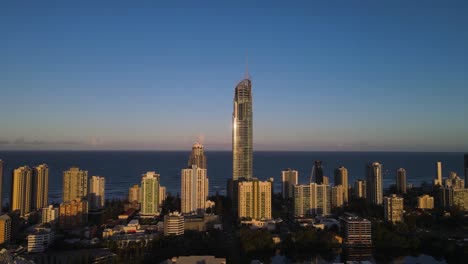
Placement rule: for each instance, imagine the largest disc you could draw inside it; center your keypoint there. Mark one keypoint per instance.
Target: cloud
(24, 142)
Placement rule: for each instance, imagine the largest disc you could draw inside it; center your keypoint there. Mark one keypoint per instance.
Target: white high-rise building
(96, 195)
(149, 194)
(194, 190)
(21, 194)
(254, 199)
(438, 179)
(374, 185)
(312, 200)
(75, 184)
(289, 178)
(393, 208)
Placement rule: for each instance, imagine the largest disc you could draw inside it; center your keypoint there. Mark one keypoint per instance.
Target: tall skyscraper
(75, 184)
(197, 157)
(317, 172)
(374, 185)
(96, 195)
(401, 180)
(254, 199)
(40, 186)
(360, 189)
(465, 167)
(438, 179)
(341, 178)
(21, 190)
(1, 185)
(149, 193)
(242, 132)
(393, 208)
(289, 179)
(194, 190)
(312, 200)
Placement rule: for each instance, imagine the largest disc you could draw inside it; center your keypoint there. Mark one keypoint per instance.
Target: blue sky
(331, 75)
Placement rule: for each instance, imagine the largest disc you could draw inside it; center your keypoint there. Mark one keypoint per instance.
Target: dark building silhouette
(317, 172)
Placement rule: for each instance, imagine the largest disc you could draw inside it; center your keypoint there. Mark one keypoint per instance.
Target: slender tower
(21, 190)
(374, 186)
(401, 180)
(40, 186)
(242, 122)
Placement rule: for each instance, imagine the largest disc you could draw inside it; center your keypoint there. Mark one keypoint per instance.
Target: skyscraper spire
(247, 76)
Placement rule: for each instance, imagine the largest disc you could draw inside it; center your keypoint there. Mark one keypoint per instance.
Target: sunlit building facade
(312, 200)
(254, 199)
(22, 190)
(393, 208)
(360, 189)
(96, 196)
(194, 190)
(75, 184)
(374, 187)
(341, 178)
(149, 194)
(425, 202)
(242, 131)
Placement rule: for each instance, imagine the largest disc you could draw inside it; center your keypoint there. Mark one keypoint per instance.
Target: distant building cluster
(149, 211)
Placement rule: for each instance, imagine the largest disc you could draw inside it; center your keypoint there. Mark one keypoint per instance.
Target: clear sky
(331, 75)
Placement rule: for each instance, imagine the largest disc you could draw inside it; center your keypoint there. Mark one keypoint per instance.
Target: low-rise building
(174, 224)
(356, 230)
(426, 202)
(40, 240)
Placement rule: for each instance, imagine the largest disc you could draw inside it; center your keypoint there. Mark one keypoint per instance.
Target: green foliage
(388, 237)
(310, 242)
(256, 241)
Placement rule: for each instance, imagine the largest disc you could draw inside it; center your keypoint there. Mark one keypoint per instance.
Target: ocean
(123, 169)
